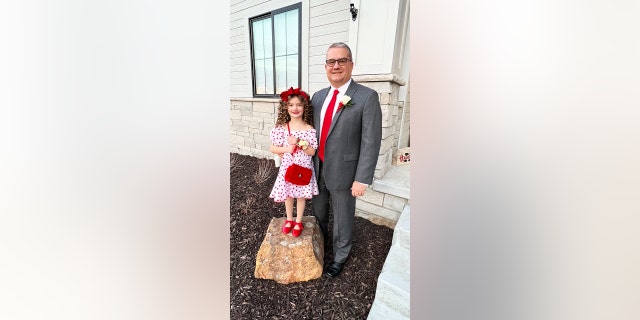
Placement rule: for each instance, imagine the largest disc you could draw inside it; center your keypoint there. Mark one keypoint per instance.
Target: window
(275, 51)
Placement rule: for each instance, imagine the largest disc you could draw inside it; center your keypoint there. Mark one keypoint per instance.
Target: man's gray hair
(341, 45)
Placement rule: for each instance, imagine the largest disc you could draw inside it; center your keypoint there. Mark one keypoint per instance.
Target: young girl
(295, 116)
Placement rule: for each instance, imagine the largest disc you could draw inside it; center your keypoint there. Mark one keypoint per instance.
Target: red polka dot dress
(283, 189)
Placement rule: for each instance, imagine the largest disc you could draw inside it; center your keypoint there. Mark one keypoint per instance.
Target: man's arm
(370, 140)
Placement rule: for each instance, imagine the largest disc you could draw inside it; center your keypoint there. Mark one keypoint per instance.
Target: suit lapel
(318, 106)
(350, 91)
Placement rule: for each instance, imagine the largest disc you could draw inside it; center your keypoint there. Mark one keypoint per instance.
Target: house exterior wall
(251, 122)
(373, 37)
(329, 22)
(323, 22)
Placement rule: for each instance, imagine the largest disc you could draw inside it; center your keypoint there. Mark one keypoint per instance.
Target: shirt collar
(342, 88)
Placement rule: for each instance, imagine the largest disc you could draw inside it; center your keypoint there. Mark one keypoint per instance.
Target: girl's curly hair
(283, 114)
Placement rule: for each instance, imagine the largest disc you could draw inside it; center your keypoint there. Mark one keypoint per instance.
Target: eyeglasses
(341, 62)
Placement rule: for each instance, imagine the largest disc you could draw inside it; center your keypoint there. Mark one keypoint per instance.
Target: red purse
(297, 174)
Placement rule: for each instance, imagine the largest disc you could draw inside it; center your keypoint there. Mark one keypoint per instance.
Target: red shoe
(297, 232)
(286, 229)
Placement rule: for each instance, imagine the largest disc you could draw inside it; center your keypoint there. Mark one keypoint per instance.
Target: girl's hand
(303, 144)
(291, 148)
(292, 140)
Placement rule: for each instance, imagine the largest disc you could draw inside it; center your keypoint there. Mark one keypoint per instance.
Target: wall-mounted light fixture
(354, 12)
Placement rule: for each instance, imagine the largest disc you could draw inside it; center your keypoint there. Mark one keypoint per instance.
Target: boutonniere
(345, 102)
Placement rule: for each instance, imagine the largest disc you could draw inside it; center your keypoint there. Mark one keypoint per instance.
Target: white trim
(404, 104)
(304, 46)
(255, 99)
(389, 77)
(353, 31)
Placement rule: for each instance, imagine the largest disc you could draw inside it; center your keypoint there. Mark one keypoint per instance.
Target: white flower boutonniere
(345, 102)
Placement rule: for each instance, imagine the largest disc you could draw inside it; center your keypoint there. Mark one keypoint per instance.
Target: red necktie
(326, 124)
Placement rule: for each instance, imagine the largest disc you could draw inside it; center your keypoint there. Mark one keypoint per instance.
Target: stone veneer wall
(380, 208)
(387, 87)
(376, 206)
(251, 122)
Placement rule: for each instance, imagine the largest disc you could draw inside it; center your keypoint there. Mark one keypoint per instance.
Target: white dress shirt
(341, 91)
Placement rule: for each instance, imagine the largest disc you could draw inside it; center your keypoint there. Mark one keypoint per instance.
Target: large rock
(286, 259)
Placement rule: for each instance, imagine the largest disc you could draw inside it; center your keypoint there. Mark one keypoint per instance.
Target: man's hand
(358, 189)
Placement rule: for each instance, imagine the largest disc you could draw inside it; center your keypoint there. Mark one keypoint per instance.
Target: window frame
(270, 15)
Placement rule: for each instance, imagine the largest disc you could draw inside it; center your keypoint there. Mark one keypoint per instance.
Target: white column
(372, 36)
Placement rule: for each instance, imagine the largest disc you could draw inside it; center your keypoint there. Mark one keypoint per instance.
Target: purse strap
(296, 149)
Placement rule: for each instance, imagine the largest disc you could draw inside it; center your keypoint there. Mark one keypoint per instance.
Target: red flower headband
(297, 91)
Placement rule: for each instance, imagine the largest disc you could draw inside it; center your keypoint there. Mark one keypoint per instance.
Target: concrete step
(380, 311)
(392, 300)
(401, 234)
(394, 182)
(393, 289)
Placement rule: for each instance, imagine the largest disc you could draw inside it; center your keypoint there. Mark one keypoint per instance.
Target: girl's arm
(277, 139)
(310, 151)
(306, 147)
(281, 150)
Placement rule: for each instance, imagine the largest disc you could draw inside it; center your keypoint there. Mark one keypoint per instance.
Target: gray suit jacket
(353, 144)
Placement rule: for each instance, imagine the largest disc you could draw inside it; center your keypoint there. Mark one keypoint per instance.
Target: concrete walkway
(392, 300)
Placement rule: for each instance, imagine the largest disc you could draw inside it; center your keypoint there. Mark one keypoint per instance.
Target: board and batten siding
(328, 23)
(323, 22)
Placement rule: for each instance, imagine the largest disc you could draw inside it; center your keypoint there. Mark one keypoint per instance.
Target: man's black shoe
(334, 269)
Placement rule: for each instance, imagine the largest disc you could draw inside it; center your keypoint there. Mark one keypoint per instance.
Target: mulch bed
(347, 297)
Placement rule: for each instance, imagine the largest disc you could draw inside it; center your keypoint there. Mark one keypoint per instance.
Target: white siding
(238, 57)
(328, 23)
(244, 5)
(329, 18)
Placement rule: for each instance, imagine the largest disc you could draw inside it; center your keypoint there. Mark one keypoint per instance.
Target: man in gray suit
(348, 120)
